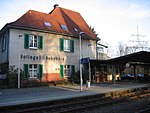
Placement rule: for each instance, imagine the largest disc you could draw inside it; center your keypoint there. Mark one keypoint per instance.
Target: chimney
(55, 5)
(54, 8)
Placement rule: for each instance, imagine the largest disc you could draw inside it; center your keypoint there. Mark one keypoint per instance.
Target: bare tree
(140, 46)
(110, 51)
(124, 48)
(121, 48)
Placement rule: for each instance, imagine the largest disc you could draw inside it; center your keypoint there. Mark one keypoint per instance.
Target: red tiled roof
(59, 16)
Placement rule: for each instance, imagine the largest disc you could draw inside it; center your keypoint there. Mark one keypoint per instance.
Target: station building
(46, 45)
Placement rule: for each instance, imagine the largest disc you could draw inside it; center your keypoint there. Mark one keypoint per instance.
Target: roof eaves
(6, 26)
(9, 25)
(40, 30)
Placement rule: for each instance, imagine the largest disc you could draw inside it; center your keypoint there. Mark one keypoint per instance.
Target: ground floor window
(67, 70)
(33, 71)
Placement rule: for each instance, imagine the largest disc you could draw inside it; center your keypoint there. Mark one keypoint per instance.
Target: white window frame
(67, 71)
(33, 44)
(33, 72)
(67, 45)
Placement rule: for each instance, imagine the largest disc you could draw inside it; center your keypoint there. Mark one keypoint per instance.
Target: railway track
(79, 103)
(147, 110)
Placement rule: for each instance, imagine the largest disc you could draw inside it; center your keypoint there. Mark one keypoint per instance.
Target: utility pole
(141, 45)
(138, 36)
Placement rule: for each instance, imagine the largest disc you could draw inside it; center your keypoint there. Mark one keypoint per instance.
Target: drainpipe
(96, 51)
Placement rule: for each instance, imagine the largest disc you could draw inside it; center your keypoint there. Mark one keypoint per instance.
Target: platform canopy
(142, 57)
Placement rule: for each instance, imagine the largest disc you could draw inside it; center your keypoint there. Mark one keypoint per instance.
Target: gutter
(7, 26)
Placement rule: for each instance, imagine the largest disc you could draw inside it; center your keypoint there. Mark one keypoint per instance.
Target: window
(3, 43)
(66, 45)
(47, 24)
(67, 70)
(64, 27)
(33, 71)
(33, 41)
(75, 29)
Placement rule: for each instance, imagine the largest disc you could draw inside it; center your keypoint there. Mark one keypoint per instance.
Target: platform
(10, 97)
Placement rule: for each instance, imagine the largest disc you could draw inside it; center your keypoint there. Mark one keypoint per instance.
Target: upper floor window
(66, 45)
(3, 43)
(33, 41)
(64, 27)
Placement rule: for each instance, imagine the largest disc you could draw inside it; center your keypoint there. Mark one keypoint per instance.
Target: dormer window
(64, 27)
(75, 29)
(47, 24)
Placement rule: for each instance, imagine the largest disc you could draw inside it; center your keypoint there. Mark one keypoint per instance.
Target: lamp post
(89, 64)
(19, 62)
(80, 61)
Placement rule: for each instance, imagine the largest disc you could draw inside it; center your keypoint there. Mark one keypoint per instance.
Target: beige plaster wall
(50, 49)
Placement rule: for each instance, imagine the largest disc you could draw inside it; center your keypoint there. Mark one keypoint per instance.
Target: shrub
(33, 83)
(76, 77)
(12, 76)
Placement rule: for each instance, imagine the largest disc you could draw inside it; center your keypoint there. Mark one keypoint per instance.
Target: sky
(113, 20)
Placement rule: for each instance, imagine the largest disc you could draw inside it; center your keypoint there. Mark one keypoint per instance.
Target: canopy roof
(137, 58)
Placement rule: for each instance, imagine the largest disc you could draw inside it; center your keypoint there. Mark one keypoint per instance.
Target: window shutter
(72, 45)
(40, 42)
(61, 71)
(72, 70)
(40, 70)
(26, 73)
(61, 41)
(26, 41)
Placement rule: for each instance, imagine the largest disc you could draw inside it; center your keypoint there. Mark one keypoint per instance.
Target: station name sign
(40, 57)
